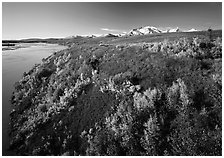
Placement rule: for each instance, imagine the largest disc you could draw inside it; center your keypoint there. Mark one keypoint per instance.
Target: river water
(14, 63)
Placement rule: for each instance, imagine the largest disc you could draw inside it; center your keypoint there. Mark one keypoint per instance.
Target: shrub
(156, 123)
(159, 98)
(44, 73)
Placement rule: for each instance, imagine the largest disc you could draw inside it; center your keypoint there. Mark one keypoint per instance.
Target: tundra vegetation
(144, 95)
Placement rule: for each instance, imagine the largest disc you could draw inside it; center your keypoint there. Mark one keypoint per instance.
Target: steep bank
(103, 98)
(14, 63)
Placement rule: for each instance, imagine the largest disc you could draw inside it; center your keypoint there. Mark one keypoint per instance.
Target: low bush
(153, 98)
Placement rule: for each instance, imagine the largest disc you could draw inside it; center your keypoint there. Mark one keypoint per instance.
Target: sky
(62, 19)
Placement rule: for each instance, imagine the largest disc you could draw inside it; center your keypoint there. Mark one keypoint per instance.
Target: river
(14, 63)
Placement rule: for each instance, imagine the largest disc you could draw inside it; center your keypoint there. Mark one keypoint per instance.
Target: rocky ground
(142, 95)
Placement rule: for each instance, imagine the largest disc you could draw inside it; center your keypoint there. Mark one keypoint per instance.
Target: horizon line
(42, 38)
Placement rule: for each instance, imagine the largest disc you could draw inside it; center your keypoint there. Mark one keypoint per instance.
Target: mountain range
(151, 30)
(139, 31)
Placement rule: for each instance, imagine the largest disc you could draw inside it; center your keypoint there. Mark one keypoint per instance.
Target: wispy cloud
(165, 28)
(111, 30)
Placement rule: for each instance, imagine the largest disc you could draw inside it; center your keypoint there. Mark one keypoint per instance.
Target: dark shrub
(203, 45)
(44, 73)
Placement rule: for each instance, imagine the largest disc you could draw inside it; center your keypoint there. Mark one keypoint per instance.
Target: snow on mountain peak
(174, 30)
(192, 30)
(144, 30)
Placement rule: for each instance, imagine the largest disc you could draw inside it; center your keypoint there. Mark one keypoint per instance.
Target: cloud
(165, 28)
(111, 30)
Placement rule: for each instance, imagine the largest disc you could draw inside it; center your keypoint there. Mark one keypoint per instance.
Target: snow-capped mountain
(138, 31)
(144, 30)
(122, 34)
(192, 30)
(111, 35)
(173, 30)
(150, 30)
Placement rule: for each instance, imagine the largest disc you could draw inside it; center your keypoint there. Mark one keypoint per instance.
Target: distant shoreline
(16, 44)
(11, 47)
(34, 40)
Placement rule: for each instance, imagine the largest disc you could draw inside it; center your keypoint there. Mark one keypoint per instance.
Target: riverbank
(14, 64)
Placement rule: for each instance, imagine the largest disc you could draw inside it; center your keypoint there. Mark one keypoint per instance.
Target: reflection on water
(14, 63)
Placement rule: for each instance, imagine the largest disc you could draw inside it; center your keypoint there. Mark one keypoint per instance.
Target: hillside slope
(140, 95)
